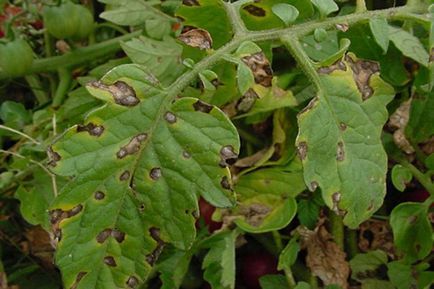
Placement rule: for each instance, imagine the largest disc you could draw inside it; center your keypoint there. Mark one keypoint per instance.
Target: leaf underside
(339, 139)
(137, 166)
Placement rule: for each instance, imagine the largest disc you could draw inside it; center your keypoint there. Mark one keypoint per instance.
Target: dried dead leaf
(197, 37)
(40, 245)
(260, 67)
(251, 160)
(376, 235)
(398, 121)
(324, 257)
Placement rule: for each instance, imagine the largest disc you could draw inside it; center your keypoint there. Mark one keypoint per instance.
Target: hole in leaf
(155, 173)
(142, 208)
(255, 10)
(227, 156)
(202, 106)
(110, 261)
(170, 117)
(92, 129)
(99, 195)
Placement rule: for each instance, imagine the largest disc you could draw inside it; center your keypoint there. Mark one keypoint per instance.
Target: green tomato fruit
(16, 57)
(69, 20)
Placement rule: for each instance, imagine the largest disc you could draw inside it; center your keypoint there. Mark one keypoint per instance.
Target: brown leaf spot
(362, 72)
(202, 106)
(155, 173)
(260, 67)
(197, 37)
(99, 195)
(53, 156)
(225, 183)
(103, 235)
(170, 117)
(376, 235)
(313, 186)
(246, 102)
(74, 211)
(142, 208)
(342, 126)
(58, 215)
(227, 156)
(190, 2)
(336, 198)
(124, 176)
(133, 146)
(152, 257)
(340, 152)
(92, 129)
(338, 65)
(80, 276)
(302, 150)
(342, 27)
(324, 257)
(255, 10)
(118, 235)
(132, 282)
(122, 93)
(254, 213)
(110, 261)
(186, 154)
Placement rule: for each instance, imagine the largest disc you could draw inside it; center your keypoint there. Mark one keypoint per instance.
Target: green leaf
(320, 34)
(219, 262)
(339, 139)
(136, 165)
(267, 199)
(328, 51)
(259, 14)
(364, 266)
(14, 114)
(245, 79)
(162, 58)
(247, 48)
(377, 284)
(309, 211)
(36, 197)
(325, 7)
(173, 264)
(380, 31)
(286, 12)
(209, 15)
(409, 45)
(303, 285)
(273, 282)
(401, 275)
(401, 176)
(289, 255)
(412, 230)
(429, 162)
(132, 12)
(158, 28)
(420, 126)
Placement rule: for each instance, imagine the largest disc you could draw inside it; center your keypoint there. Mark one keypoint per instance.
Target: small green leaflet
(380, 30)
(289, 254)
(325, 7)
(339, 139)
(412, 231)
(219, 262)
(286, 12)
(136, 166)
(400, 177)
(409, 45)
(273, 282)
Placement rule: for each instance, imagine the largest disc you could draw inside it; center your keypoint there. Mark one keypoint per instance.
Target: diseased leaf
(208, 15)
(400, 177)
(339, 139)
(266, 199)
(380, 30)
(365, 267)
(162, 58)
(137, 165)
(412, 231)
(245, 78)
(409, 45)
(420, 125)
(219, 262)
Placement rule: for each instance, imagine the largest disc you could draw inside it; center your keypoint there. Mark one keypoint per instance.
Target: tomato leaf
(325, 7)
(339, 140)
(400, 177)
(137, 166)
(409, 45)
(380, 30)
(286, 12)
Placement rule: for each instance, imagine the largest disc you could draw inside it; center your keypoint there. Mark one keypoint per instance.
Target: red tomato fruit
(206, 211)
(256, 265)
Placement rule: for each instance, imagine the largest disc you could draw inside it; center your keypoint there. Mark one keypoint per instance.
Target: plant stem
(351, 242)
(79, 56)
(360, 6)
(37, 89)
(337, 228)
(65, 79)
(234, 17)
(20, 133)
